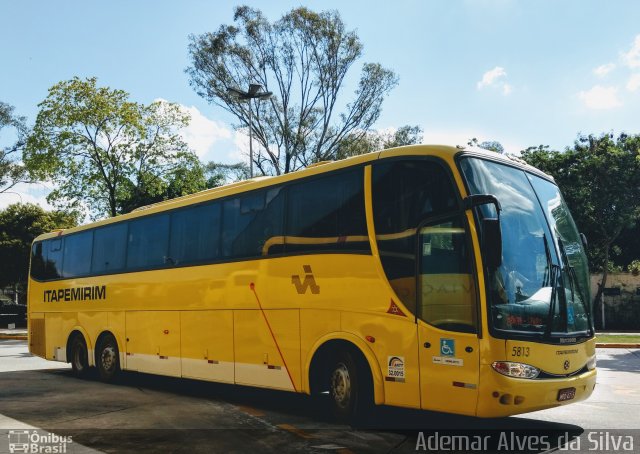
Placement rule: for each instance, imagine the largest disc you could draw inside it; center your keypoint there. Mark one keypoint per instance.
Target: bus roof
(315, 169)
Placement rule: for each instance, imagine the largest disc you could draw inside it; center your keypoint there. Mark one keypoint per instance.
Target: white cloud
(600, 98)
(202, 132)
(491, 76)
(632, 58)
(240, 152)
(633, 84)
(26, 193)
(603, 70)
(496, 78)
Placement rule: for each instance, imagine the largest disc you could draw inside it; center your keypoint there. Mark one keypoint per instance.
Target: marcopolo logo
(309, 282)
(33, 441)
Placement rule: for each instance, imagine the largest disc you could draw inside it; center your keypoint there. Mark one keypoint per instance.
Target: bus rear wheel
(107, 358)
(79, 357)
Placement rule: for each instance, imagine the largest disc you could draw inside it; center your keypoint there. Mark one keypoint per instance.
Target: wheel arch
(79, 331)
(326, 345)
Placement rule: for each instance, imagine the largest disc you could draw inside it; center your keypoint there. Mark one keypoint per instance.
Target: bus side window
(405, 193)
(109, 245)
(327, 214)
(38, 259)
(447, 296)
(53, 265)
(77, 254)
(252, 224)
(195, 234)
(148, 242)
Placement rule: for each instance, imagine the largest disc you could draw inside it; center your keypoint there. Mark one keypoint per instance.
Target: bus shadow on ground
(623, 362)
(508, 434)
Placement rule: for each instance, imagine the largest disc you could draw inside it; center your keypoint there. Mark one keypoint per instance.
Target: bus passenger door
(447, 318)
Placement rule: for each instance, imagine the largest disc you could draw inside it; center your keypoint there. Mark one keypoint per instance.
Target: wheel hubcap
(341, 385)
(108, 358)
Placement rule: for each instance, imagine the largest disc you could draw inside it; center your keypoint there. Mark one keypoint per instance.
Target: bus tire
(346, 389)
(79, 356)
(107, 358)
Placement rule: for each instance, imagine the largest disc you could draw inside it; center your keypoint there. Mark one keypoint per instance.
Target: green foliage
(218, 174)
(107, 154)
(634, 267)
(19, 225)
(303, 58)
(12, 171)
(490, 145)
(365, 142)
(600, 180)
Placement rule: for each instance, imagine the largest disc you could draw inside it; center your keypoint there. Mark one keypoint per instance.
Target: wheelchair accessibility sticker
(447, 354)
(447, 347)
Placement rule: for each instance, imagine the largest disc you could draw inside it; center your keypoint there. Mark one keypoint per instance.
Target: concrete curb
(14, 336)
(617, 345)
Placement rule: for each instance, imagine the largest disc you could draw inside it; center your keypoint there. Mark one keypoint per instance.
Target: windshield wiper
(573, 280)
(554, 273)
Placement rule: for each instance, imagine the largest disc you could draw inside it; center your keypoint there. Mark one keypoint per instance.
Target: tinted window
(109, 245)
(405, 193)
(195, 234)
(77, 254)
(327, 213)
(38, 259)
(148, 241)
(446, 282)
(53, 264)
(252, 224)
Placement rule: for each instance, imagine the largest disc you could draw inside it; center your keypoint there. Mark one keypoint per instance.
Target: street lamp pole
(255, 92)
(12, 192)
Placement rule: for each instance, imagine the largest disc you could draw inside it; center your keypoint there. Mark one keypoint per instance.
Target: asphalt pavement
(145, 413)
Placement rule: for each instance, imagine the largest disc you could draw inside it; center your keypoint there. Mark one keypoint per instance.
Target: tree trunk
(603, 283)
(112, 203)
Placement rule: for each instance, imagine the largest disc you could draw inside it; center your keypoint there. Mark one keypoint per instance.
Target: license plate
(566, 394)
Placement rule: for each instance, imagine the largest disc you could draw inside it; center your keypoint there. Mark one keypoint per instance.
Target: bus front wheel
(79, 357)
(108, 358)
(344, 387)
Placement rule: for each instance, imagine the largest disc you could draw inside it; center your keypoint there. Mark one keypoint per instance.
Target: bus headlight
(591, 364)
(517, 370)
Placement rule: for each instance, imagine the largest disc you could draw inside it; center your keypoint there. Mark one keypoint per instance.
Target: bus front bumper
(503, 396)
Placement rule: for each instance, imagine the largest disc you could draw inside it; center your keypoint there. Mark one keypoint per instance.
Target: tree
(12, 171)
(600, 180)
(104, 152)
(19, 225)
(187, 177)
(490, 145)
(358, 143)
(218, 174)
(304, 58)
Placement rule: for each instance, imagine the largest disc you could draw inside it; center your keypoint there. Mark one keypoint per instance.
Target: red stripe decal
(253, 289)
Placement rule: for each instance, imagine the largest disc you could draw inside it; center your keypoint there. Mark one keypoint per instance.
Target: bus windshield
(541, 288)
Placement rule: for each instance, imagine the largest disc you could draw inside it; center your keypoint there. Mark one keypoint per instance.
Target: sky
(521, 73)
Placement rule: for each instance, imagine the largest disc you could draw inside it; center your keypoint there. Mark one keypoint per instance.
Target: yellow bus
(428, 277)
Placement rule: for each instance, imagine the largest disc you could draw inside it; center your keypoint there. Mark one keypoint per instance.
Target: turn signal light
(517, 370)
